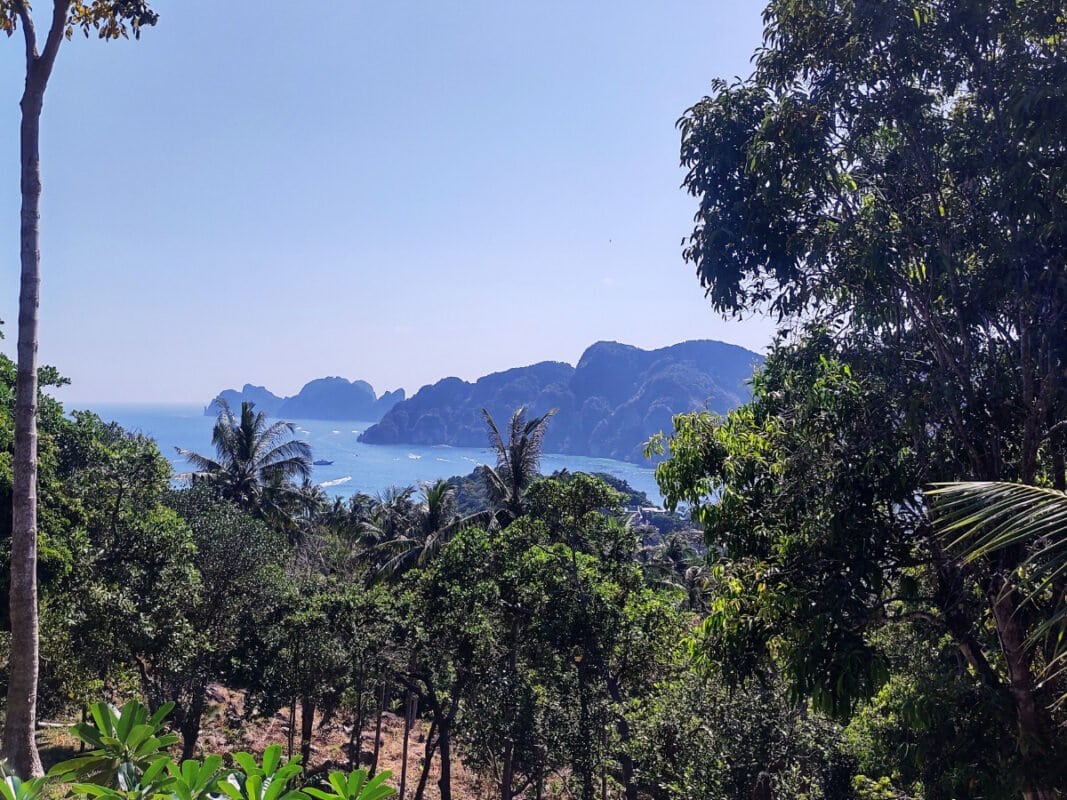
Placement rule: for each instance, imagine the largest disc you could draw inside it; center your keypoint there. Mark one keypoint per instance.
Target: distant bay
(356, 467)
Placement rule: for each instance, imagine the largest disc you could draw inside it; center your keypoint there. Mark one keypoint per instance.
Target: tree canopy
(887, 182)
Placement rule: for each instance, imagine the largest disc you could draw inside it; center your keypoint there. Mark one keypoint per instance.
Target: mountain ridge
(329, 398)
(609, 404)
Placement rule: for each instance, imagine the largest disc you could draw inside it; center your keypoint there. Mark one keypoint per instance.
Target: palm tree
(430, 525)
(981, 518)
(673, 563)
(255, 461)
(518, 460)
(385, 526)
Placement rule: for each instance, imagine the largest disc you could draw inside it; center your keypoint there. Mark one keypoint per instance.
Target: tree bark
(409, 714)
(355, 739)
(444, 782)
(622, 727)
(19, 745)
(378, 727)
(292, 726)
(190, 727)
(585, 766)
(307, 727)
(1034, 744)
(427, 760)
(507, 772)
(762, 789)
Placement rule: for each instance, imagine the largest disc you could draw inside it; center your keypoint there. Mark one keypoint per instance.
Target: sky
(392, 191)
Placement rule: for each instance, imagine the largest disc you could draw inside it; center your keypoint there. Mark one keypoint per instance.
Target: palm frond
(982, 517)
(496, 441)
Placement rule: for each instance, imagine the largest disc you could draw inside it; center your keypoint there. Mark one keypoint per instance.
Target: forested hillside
(857, 589)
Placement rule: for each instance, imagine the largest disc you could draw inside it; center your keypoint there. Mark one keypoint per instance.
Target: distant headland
(609, 404)
(323, 398)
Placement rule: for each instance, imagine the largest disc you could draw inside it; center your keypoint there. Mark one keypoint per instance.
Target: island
(608, 405)
(331, 398)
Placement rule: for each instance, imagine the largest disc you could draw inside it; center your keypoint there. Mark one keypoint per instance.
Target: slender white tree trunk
(19, 745)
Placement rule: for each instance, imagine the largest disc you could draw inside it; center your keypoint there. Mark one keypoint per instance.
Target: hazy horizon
(395, 193)
(66, 395)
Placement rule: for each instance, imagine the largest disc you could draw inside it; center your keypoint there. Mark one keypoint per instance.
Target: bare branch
(56, 33)
(29, 32)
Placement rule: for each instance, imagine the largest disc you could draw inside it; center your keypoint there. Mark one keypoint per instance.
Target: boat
(322, 463)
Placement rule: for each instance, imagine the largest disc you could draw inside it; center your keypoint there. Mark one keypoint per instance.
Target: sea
(356, 467)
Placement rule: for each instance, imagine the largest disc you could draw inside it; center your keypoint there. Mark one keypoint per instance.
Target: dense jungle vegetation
(873, 605)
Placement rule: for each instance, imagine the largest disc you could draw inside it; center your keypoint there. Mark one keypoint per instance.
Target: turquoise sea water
(356, 467)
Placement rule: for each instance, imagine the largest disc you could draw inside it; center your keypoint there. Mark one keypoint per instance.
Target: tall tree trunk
(409, 713)
(427, 760)
(444, 782)
(20, 721)
(762, 790)
(507, 772)
(307, 727)
(190, 727)
(507, 776)
(355, 739)
(1034, 744)
(382, 697)
(292, 726)
(585, 766)
(622, 727)
(604, 766)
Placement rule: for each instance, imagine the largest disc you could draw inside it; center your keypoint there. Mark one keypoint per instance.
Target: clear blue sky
(394, 191)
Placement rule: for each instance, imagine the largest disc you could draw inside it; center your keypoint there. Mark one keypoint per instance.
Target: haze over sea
(356, 467)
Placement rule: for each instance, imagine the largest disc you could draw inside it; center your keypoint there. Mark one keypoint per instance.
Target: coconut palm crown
(518, 460)
(254, 458)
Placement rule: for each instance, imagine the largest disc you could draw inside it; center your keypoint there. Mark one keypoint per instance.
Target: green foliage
(517, 459)
(983, 518)
(14, 788)
(128, 761)
(255, 461)
(630, 497)
(109, 19)
(354, 786)
(266, 780)
(152, 784)
(859, 165)
(802, 541)
(883, 182)
(881, 789)
(240, 563)
(128, 747)
(697, 739)
(195, 780)
(133, 580)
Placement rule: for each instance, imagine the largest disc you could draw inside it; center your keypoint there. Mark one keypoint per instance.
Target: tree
(446, 633)
(518, 459)
(111, 19)
(429, 525)
(885, 183)
(255, 460)
(696, 737)
(982, 518)
(821, 548)
(239, 562)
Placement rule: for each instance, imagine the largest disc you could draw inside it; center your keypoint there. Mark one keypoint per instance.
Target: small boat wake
(336, 481)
